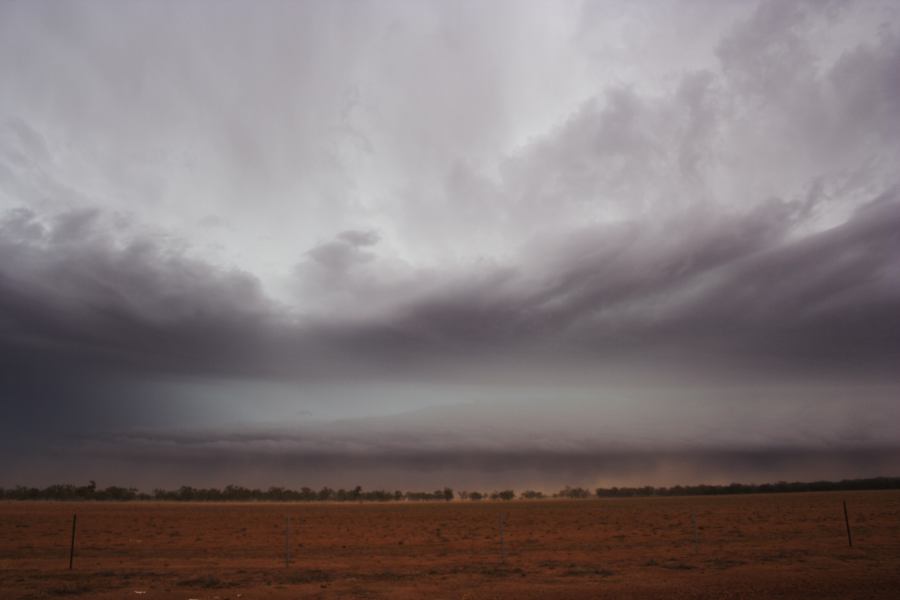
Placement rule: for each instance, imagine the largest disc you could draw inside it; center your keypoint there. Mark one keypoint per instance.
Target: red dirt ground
(760, 546)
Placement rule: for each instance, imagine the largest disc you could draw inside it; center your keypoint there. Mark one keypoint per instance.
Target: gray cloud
(344, 251)
(740, 286)
(501, 199)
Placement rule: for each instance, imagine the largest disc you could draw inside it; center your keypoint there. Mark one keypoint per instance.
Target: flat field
(758, 546)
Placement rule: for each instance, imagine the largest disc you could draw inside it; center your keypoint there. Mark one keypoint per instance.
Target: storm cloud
(449, 240)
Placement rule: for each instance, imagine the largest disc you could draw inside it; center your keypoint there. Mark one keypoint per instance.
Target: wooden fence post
(72, 545)
(847, 523)
(696, 535)
(287, 542)
(502, 541)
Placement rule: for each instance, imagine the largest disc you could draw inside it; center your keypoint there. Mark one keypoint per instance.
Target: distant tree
(503, 495)
(475, 495)
(116, 493)
(532, 495)
(448, 494)
(576, 492)
(86, 492)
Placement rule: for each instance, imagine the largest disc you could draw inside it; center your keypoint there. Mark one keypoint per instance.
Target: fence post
(847, 523)
(502, 541)
(72, 544)
(694, 525)
(287, 542)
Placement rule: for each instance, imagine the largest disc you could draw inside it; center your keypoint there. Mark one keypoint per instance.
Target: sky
(416, 244)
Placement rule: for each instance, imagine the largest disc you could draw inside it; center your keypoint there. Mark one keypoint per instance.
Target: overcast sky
(409, 244)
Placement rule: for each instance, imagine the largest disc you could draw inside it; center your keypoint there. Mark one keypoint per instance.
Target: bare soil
(759, 546)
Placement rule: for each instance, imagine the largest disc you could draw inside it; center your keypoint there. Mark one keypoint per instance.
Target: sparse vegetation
(573, 492)
(875, 483)
(532, 495)
(72, 589)
(236, 493)
(206, 581)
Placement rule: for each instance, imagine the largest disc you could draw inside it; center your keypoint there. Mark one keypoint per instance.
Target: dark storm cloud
(70, 296)
(432, 202)
(83, 318)
(70, 291)
(742, 287)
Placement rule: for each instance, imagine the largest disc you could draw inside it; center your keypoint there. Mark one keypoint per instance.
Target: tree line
(874, 483)
(236, 493)
(230, 493)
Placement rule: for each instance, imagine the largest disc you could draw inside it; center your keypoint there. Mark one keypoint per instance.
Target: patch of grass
(106, 574)
(783, 555)
(307, 576)
(845, 556)
(75, 589)
(669, 563)
(724, 563)
(484, 569)
(677, 565)
(583, 570)
(206, 581)
(389, 576)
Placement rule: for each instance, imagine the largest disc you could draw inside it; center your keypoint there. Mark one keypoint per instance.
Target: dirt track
(761, 546)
